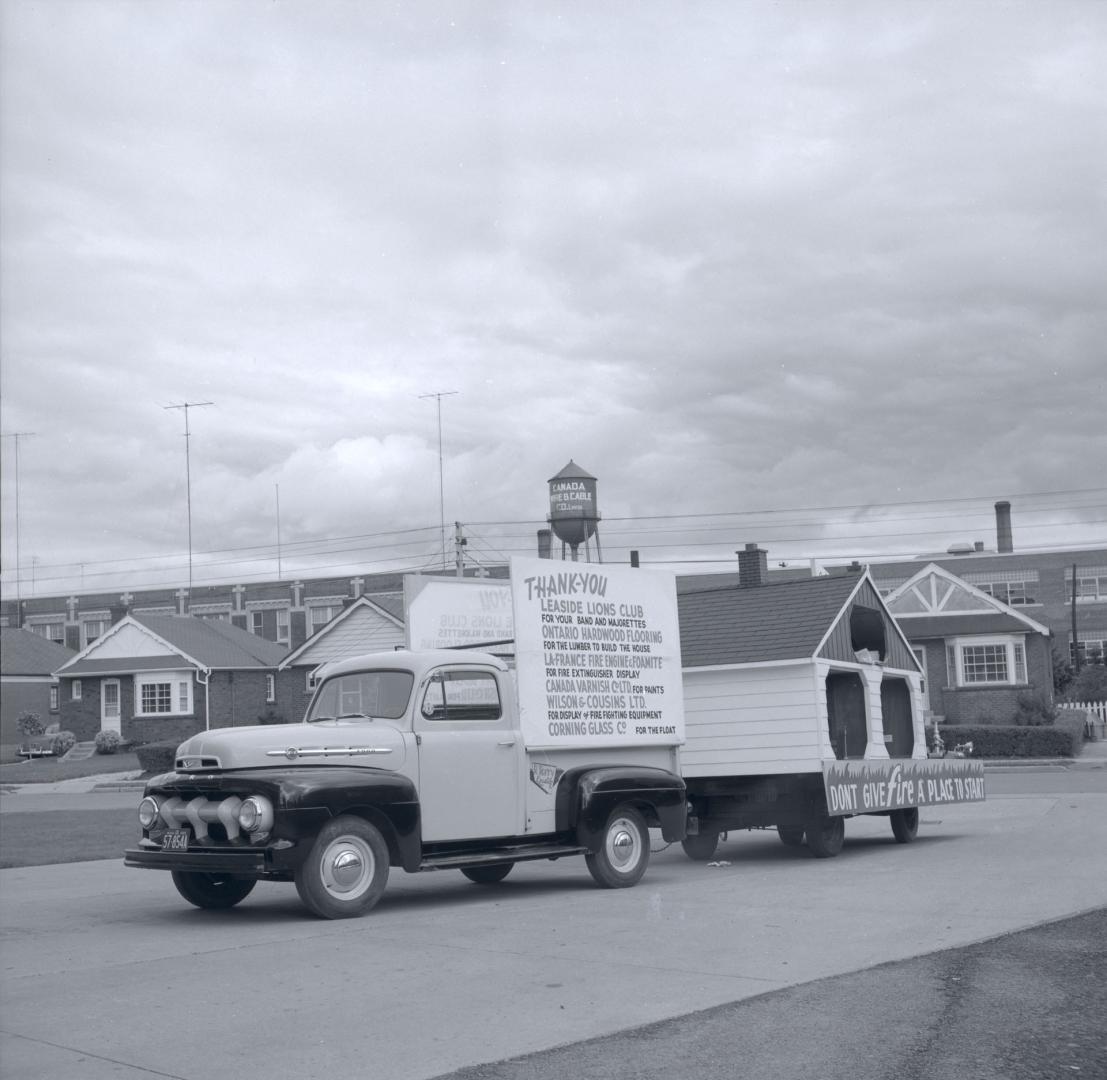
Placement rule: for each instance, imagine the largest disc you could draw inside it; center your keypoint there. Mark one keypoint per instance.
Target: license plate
(175, 840)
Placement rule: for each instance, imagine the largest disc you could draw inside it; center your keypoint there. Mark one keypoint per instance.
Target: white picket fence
(1096, 725)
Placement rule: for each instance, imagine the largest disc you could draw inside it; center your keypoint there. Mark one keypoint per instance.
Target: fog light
(148, 812)
(255, 814)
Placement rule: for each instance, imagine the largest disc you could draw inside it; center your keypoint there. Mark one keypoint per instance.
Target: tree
(1090, 684)
(30, 724)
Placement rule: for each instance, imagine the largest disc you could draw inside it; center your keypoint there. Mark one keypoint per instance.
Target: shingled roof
(779, 621)
(212, 643)
(24, 653)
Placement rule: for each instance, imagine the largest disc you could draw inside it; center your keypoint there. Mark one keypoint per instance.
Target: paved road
(106, 973)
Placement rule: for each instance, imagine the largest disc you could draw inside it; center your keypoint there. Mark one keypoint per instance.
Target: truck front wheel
(825, 836)
(215, 891)
(624, 851)
(700, 846)
(346, 870)
(905, 824)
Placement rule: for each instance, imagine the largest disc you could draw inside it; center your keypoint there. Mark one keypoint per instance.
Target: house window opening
(846, 715)
(866, 631)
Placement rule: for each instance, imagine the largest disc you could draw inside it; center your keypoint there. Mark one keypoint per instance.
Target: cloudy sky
(828, 277)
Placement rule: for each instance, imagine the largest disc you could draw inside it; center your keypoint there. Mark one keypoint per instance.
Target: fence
(1096, 723)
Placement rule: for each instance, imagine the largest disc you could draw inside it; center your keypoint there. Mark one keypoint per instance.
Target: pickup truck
(411, 759)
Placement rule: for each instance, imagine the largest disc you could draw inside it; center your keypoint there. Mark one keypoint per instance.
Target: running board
(530, 852)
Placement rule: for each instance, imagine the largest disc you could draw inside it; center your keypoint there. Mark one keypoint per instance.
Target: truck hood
(374, 744)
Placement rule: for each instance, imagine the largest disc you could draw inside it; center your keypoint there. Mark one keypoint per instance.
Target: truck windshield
(380, 694)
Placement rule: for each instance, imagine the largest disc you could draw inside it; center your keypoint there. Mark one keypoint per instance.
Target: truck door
(470, 758)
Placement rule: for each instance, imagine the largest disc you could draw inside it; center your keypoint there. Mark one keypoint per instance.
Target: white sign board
(448, 613)
(597, 652)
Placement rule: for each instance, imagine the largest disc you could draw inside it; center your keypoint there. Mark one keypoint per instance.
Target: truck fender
(587, 795)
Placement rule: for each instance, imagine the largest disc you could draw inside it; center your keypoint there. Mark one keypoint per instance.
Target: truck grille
(201, 812)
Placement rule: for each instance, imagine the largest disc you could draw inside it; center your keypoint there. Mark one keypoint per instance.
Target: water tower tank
(573, 510)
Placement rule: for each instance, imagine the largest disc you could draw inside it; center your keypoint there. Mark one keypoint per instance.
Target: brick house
(164, 677)
(978, 653)
(27, 683)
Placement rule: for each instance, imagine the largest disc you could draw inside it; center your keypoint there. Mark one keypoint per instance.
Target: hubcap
(622, 845)
(347, 867)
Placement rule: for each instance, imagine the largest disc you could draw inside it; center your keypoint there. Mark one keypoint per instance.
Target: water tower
(574, 514)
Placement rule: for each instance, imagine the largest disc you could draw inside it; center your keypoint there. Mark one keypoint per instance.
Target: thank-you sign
(859, 787)
(457, 613)
(598, 654)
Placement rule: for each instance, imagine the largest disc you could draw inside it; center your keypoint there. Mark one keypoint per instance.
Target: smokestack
(753, 566)
(1004, 544)
(545, 541)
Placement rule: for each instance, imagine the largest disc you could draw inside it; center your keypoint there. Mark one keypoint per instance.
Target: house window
(270, 688)
(987, 662)
(91, 629)
(1088, 650)
(163, 694)
(53, 631)
(257, 622)
(1091, 584)
(54, 699)
(282, 625)
(312, 681)
(322, 614)
(75, 690)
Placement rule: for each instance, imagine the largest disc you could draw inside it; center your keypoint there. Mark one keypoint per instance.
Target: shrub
(1040, 741)
(30, 724)
(107, 742)
(271, 716)
(64, 741)
(1089, 685)
(1033, 710)
(157, 757)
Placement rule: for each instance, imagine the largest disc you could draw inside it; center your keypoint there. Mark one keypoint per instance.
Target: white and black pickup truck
(412, 759)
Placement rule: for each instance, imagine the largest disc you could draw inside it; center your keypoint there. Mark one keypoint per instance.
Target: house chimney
(753, 567)
(854, 567)
(1004, 543)
(545, 540)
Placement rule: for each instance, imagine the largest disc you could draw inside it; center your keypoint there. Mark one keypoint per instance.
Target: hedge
(157, 757)
(992, 741)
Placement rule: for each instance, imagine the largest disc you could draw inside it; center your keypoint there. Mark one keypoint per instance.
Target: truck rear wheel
(699, 847)
(346, 870)
(790, 837)
(624, 851)
(905, 824)
(488, 875)
(215, 891)
(825, 836)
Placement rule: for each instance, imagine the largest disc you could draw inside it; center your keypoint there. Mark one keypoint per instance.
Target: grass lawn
(49, 770)
(62, 836)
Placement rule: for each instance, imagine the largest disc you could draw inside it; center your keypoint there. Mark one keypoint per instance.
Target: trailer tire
(699, 847)
(488, 875)
(215, 892)
(825, 836)
(790, 837)
(346, 870)
(905, 824)
(624, 850)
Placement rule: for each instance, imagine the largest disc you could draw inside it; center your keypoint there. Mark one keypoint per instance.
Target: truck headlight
(255, 815)
(148, 812)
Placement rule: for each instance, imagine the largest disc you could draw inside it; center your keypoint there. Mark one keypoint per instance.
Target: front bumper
(279, 862)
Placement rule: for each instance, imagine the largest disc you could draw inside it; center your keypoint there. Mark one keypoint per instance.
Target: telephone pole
(15, 436)
(438, 396)
(185, 406)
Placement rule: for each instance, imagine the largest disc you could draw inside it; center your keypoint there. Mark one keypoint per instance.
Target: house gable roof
(778, 621)
(25, 653)
(936, 603)
(155, 642)
(365, 626)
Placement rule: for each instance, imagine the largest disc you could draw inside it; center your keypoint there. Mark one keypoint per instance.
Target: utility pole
(15, 436)
(438, 396)
(278, 487)
(1075, 640)
(188, 476)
